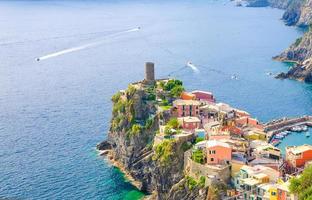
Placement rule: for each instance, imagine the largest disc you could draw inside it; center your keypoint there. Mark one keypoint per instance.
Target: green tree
(173, 123)
(198, 156)
(176, 91)
(302, 185)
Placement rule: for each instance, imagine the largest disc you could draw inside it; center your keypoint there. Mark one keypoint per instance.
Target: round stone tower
(149, 72)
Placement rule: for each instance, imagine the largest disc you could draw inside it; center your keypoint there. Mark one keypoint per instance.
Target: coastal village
(225, 144)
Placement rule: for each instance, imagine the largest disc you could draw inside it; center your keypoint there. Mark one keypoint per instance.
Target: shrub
(202, 181)
(176, 91)
(302, 185)
(131, 90)
(198, 156)
(135, 129)
(149, 122)
(116, 97)
(173, 123)
(298, 41)
(171, 84)
(198, 139)
(191, 182)
(186, 146)
(164, 152)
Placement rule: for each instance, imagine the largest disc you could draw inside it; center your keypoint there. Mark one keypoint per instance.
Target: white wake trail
(193, 67)
(73, 49)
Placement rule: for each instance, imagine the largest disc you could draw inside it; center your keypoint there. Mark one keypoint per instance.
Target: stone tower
(149, 72)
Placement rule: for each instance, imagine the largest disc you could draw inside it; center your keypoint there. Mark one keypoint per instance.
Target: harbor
(278, 129)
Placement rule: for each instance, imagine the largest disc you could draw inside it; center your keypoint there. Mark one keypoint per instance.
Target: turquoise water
(54, 112)
(295, 139)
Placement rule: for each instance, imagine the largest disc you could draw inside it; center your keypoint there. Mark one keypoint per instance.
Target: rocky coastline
(297, 13)
(133, 152)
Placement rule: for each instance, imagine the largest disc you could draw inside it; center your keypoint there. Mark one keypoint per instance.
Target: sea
(62, 60)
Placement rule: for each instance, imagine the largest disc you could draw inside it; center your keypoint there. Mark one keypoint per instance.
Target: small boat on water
(307, 134)
(300, 128)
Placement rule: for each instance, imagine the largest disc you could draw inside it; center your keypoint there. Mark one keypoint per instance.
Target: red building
(297, 156)
(204, 96)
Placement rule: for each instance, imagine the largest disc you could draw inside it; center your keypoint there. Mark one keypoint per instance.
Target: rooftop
(186, 102)
(189, 119)
(299, 149)
(212, 143)
(204, 92)
(250, 181)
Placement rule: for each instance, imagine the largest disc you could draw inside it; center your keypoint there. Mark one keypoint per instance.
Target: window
(213, 152)
(273, 193)
(211, 159)
(183, 107)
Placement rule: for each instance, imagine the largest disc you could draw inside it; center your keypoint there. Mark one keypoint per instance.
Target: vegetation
(302, 185)
(175, 87)
(199, 139)
(191, 183)
(149, 123)
(186, 146)
(298, 41)
(215, 191)
(131, 90)
(202, 181)
(164, 108)
(172, 124)
(164, 152)
(176, 91)
(116, 97)
(198, 156)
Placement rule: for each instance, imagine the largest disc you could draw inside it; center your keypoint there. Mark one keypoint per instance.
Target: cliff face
(297, 12)
(155, 169)
(301, 53)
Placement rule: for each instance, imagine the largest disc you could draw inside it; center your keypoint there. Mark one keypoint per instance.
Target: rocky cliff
(301, 54)
(297, 12)
(156, 170)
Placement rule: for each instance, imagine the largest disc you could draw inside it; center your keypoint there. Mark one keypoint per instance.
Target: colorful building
(218, 152)
(189, 123)
(203, 96)
(187, 107)
(283, 192)
(297, 156)
(187, 96)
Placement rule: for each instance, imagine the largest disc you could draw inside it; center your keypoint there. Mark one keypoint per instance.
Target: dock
(285, 124)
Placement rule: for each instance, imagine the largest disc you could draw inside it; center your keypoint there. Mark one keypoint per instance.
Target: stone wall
(212, 172)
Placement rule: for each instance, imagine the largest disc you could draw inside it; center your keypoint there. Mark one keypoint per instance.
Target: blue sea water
(54, 112)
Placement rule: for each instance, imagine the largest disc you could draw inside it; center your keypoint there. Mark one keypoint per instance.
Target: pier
(277, 126)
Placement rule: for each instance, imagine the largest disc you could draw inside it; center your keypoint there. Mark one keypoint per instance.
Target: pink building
(204, 96)
(187, 107)
(190, 123)
(218, 152)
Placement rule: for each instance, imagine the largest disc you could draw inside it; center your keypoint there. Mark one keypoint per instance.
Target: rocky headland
(155, 169)
(297, 13)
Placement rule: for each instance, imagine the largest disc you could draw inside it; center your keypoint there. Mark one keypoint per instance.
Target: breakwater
(284, 124)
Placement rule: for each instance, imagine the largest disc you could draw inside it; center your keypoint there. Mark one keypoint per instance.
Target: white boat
(307, 134)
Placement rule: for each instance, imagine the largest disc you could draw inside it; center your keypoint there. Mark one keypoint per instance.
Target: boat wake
(193, 67)
(78, 48)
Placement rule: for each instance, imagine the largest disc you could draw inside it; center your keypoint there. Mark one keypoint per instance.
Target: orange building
(297, 156)
(218, 152)
(187, 96)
